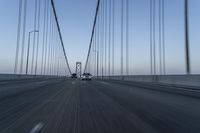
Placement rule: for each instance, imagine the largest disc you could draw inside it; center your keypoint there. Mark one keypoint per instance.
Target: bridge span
(143, 56)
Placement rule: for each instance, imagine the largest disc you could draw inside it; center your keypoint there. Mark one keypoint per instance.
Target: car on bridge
(86, 76)
(74, 75)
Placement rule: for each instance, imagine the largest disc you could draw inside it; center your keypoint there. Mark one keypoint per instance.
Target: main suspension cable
(60, 35)
(97, 9)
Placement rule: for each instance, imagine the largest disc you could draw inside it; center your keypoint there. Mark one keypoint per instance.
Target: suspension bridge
(134, 88)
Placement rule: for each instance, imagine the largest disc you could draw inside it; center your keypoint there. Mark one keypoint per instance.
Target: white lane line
(104, 83)
(37, 128)
(41, 82)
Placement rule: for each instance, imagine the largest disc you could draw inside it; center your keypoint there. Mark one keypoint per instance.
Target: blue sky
(76, 19)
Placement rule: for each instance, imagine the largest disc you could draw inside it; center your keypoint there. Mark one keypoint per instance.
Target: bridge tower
(78, 69)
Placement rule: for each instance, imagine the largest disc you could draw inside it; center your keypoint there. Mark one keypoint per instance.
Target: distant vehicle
(74, 75)
(86, 76)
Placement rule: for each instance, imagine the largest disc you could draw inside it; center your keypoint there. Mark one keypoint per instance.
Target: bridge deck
(73, 106)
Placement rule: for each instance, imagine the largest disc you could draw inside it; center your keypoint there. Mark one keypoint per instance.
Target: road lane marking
(37, 128)
(41, 82)
(104, 83)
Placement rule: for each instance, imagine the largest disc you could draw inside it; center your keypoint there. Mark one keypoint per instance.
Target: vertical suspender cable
(55, 46)
(53, 49)
(96, 44)
(160, 36)
(163, 35)
(46, 39)
(56, 54)
(127, 37)
(122, 35)
(187, 51)
(151, 40)
(34, 35)
(49, 41)
(23, 37)
(89, 62)
(95, 47)
(154, 36)
(18, 37)
(59, 65)
(53, 55)
(99, 20)
(44, 30)
(94, 52)
(113, 39)
(100, 31)
(59, 60)
(105, 56)
(38, 37)
(50, 45)
(109, 55)
(102, 45)
(103, 36)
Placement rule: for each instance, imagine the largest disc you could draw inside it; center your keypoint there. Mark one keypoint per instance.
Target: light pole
(97, 62)
(29, 49)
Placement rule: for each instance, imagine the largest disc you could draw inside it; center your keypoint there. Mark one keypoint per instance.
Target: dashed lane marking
(37, 128)
(104, 83)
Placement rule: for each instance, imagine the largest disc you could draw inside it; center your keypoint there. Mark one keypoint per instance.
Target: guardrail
(186, 80)
(16, 77)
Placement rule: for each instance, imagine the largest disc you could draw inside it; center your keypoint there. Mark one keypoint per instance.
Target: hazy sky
(76, 19)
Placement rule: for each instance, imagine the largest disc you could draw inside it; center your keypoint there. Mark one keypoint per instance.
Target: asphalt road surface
(74, 106)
